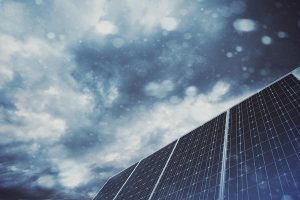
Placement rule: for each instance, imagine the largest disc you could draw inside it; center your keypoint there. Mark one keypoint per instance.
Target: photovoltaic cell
(142, 181)
(264, 144)
(194, 169)
(113, 185)
(258, 159)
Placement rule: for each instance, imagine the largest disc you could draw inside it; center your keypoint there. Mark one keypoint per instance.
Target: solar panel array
(264, 144)
(258, 155)
(193, 171)
(114, 184)
(145, 176)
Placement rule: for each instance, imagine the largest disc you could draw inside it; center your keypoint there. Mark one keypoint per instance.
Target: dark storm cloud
(86, 88)
(191, 58)
(136, 64)
(80, 140)
(21, 192)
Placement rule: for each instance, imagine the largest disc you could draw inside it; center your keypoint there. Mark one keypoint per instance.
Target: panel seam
(161, 174)
(101, 189)
(224, 157)
(126, 180)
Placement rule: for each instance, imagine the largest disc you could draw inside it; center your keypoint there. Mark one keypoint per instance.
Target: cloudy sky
(89, 87)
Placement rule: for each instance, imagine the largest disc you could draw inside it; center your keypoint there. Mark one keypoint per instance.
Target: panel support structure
(224, 157)
(152, 193)
(126, 180)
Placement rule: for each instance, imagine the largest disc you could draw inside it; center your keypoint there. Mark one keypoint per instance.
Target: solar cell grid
(113, 185)
(194, 170)
(264, 148)
(141, 183)
(262, 159)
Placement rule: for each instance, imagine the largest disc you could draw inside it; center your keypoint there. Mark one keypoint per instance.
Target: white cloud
(8, 47)
(266, 40)
(72, 174)
(43, 107)
(68, 19)
(30, 47)
(51, 35)
(164, 122)
(109, 94)
(106, 28)
(6, 75)
(169, 23)
(239, 48)
(14, 18)
(219, 89)
(144, 16)
(35, 126)
(159, 90)
(191, 91)
(46, 181)
(174, 99)
(245, 25)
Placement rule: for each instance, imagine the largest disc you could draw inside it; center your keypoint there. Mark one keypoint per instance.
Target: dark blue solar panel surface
(194, 169)
(263, 155)
(145, 176)
(264, 145)
(113, 185)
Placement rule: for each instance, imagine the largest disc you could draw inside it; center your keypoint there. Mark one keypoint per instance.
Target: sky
(87, 88)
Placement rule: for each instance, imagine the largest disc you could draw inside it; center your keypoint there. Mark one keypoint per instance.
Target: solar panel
(193, 171)
(113, 185)
(264, 144)
(250, 152)
(145, 176)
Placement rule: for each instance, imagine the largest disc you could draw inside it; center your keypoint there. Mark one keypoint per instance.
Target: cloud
(106, 28)
(163, 122)
(266, 40)
(36, 126)
(159, 90)
(245, 25)
(14, 18)
(109, 93)
(72, 174)
(46, 181)
(9, 47)
(6, 75)
(149, 15)
(87, 88)
(169, 23)
(219, 89)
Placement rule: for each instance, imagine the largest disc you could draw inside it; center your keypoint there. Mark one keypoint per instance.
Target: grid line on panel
(264, 146)
(288, 136)
(113, 184)
(126, 180)
(208, 172)
(278, 110)
(96, 197)
(261, 150)
(243, 162)
(208, 165)
(142, 182)
(164, 169)
(248, 117)
(194, 170)
(224, 157)
(276, 140)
